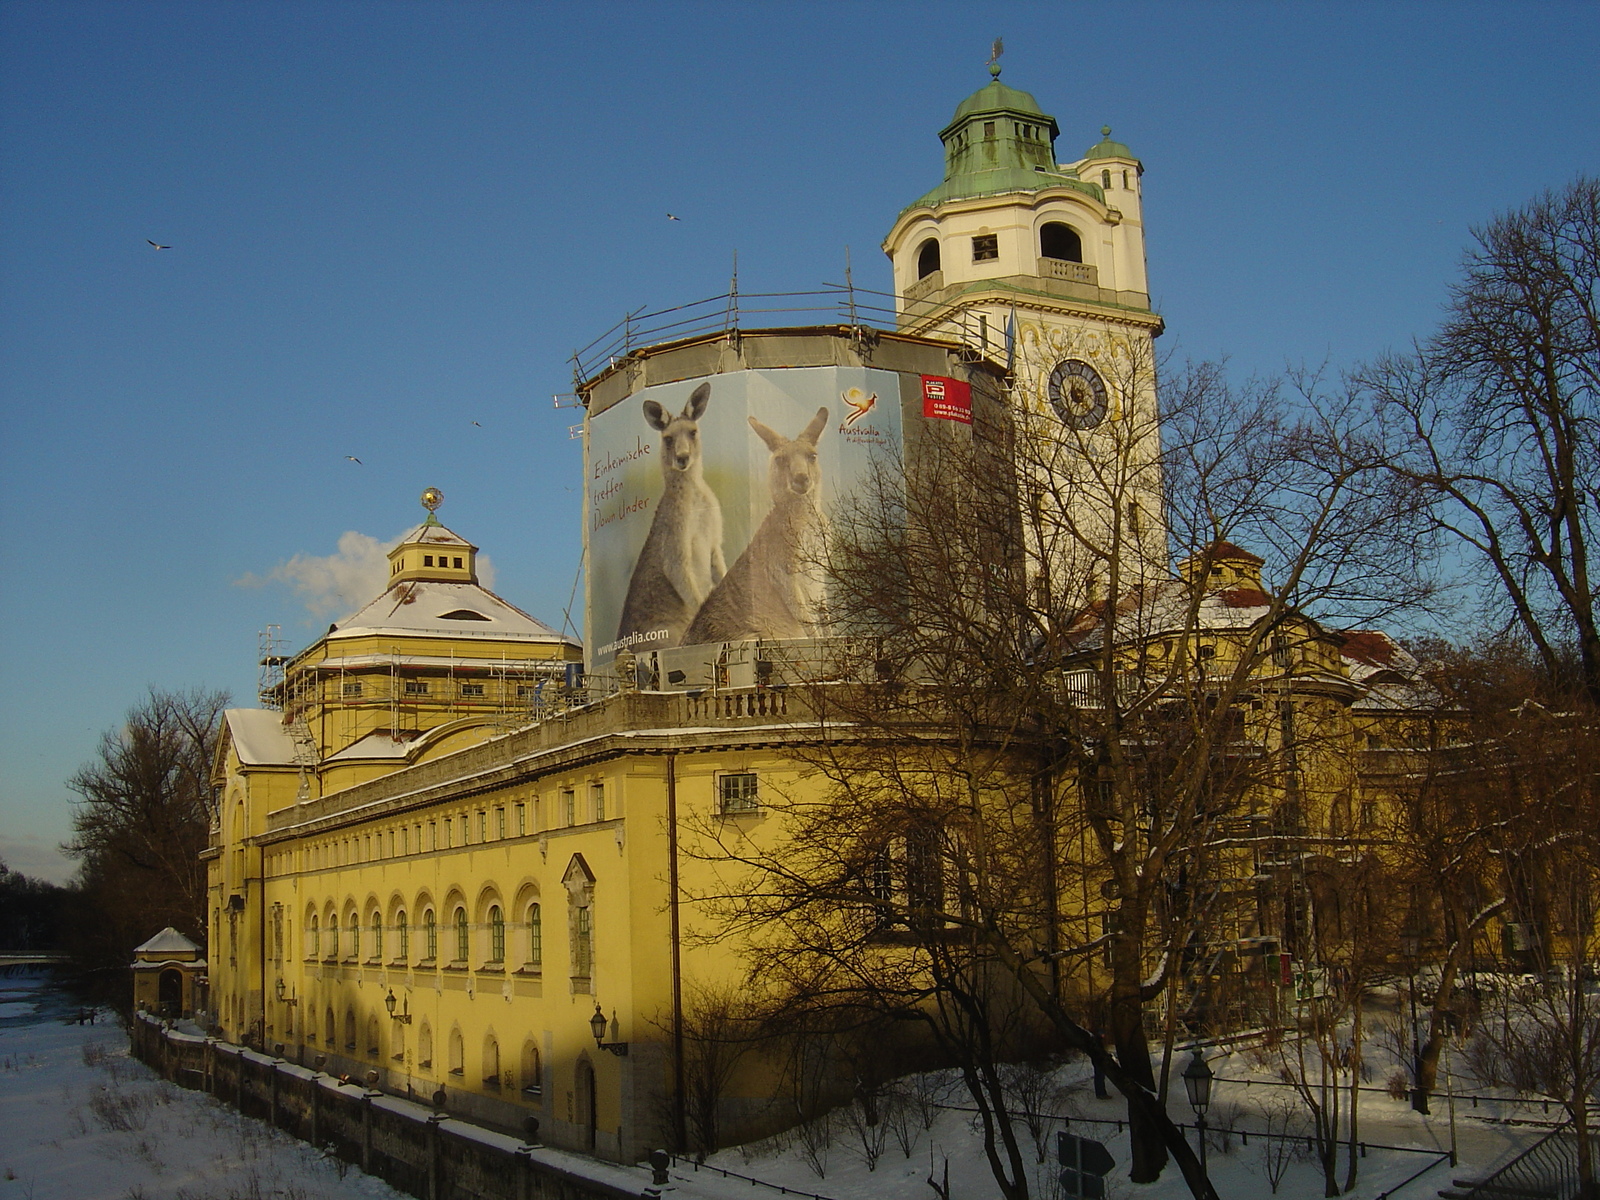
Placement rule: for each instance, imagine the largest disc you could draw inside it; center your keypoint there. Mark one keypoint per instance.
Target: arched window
(1105, 179)
(355, 937)
(532, 1069)
(425, 1047)
(927, 258)
(458, 1059)
(491, 1062)
(430, 936)
(535, 936)
(327, 1028)
(497, 934)
(312, 934)
(402, 936)
(377, 937)
(463, 946)
(333, 939)
(372, 1037)
(1061, 242)
(349, 1029)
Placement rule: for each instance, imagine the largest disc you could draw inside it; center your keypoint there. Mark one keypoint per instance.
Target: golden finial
(431, 499)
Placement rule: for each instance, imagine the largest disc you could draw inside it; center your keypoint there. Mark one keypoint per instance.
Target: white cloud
(338, 584)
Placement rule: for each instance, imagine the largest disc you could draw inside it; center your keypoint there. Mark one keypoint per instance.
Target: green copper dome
(1106, 148)
(999, 141)
(997, 97)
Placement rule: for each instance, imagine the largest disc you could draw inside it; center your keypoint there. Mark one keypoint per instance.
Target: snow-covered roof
(431, 533)
(168, 941)
(258, 737)
(375, 745)
(1165, 608)
(457, 610)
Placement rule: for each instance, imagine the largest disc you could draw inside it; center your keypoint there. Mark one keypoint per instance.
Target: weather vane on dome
(995, 52)
(431, 499)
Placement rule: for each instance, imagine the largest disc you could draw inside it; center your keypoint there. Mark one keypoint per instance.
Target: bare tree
(1045, 753)
(1496, 419)
(142, 818)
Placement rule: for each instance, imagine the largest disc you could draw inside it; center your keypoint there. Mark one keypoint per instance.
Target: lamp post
(1411, 948)
(597, 1026)
(404, 1017)
(1197, 1077)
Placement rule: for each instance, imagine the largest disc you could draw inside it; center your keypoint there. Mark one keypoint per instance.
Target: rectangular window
(464, 829)
(350, 690)
(457, 564)
(526, 691)
(433, 835)
(737, 793)
(446, 823)
(522, 819)
(483, 826)
(597, 800)
(416, 687)
(985, 247)
(569, 805)
(405, 840)
(583, 949)
(499, 822)
(472, 689)
(427, 560)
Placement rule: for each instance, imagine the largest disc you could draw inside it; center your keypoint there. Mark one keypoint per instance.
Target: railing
(1548, 1168)
(832, 304)
(1055, 268)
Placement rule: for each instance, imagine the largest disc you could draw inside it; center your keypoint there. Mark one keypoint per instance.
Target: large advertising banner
(707, 501)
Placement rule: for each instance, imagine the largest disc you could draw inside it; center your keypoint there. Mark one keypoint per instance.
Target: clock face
(1078, 394)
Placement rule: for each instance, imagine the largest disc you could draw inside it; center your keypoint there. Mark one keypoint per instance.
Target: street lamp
(283, 994)
(403, 1017)
(1197, 1079)
(1411, 948)
(597, 1026)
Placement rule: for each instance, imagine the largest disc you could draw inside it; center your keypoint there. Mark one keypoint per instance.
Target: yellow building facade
(463, 857)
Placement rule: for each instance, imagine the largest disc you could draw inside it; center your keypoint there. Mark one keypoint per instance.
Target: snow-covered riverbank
(80, 1120)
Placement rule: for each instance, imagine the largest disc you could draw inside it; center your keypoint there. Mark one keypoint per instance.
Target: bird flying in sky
(670, 217)
(353, 459)
(158, 245)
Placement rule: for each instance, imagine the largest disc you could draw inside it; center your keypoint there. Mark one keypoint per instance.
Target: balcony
(1071, 272)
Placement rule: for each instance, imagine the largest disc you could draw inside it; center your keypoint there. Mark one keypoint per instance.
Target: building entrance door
(587, 1116)
(169, 993)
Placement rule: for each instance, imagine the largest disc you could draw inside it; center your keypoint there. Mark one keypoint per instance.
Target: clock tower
(1040, 265)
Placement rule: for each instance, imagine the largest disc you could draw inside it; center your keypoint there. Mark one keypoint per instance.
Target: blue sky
(390, 221)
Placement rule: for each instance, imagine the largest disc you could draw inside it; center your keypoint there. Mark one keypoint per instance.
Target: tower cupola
(432, 552)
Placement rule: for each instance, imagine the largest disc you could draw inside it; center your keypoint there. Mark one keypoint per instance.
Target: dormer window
(988, 130)
(457, 564)
(462, 614)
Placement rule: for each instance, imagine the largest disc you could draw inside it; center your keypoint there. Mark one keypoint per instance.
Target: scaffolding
(270, 663)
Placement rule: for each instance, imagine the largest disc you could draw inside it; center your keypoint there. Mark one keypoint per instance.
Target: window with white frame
(737, 792)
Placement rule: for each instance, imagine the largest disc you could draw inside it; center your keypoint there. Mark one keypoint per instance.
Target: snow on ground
(80, 1120)
(1247, 1083)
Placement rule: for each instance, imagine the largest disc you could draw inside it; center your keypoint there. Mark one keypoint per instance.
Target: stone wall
(428, 1154)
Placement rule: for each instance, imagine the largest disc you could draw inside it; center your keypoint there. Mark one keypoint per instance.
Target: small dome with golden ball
(432, 498)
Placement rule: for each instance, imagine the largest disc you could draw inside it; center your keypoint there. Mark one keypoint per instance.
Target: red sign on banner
(946, 399)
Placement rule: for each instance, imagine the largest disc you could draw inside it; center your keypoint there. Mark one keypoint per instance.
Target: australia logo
(860, 403)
